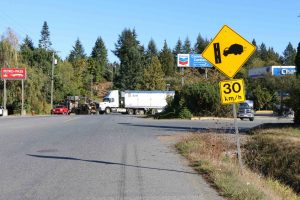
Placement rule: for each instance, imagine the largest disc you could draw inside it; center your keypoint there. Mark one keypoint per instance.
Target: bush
(275, 157)
(200, 99)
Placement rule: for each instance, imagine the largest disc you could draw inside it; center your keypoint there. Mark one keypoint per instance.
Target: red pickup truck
(60, 109)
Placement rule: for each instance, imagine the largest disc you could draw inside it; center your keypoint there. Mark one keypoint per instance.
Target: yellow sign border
(239, 68)
(232, 80)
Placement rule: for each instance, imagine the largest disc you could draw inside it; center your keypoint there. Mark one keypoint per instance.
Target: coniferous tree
(77, 52)
(289, 55)
(167, 60)
(99, 63)
(201, 44)
(154, 76)
(151, 50)
(130, 54)
(263, 52)
(27, 51)
(297, 60)
(177, 50)
(186, 48)
(27, 43)
(99, 52)
(44, 42)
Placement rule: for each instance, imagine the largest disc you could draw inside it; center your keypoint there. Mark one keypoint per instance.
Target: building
(272, 71)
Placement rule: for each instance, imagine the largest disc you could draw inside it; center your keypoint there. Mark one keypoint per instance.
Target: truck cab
(110, 102)
(246, 110)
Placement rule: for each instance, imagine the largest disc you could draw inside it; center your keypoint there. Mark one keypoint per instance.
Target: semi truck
(134, 101)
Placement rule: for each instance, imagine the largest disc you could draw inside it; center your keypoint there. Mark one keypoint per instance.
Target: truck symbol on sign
(233, 49)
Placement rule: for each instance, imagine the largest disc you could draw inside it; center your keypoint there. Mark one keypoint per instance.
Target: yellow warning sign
(228, 51)
(232, 91)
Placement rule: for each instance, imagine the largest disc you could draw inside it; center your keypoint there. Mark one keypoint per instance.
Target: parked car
(246, 110)
(60, 109)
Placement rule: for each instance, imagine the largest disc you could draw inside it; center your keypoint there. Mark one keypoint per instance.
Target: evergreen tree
(201, 44)
(27, 43)
(99, 57)
(186, 48)
(27, 51)
(99, 52)
(44, 42)
(177, 50)
(263, 52)
(254, 42)
(297, 60)
(154, 76)
(130, 54)
(289, 55)
(273, 57)
(151, 50)
(77, 52)
(167, 60)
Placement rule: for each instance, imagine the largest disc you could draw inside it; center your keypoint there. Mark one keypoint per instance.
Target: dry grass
(214, 155)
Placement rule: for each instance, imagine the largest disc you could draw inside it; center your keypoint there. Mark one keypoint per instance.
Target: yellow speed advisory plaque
(232, 91)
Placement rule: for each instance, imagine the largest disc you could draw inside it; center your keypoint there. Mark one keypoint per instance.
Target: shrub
(275, 157)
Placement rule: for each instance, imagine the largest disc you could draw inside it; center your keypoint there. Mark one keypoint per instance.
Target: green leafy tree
(130, 54)
(44, 42)
(289, 55)
(167, 60)
(154, 76)
(77, 53)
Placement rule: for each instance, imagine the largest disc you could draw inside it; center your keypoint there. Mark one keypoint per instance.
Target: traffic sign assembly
(232, 91)
(228, 51)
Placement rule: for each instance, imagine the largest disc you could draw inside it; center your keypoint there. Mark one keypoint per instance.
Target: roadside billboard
(192, 60)
(13, 73)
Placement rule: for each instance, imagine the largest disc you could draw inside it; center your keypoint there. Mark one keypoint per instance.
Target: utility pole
(52, 79)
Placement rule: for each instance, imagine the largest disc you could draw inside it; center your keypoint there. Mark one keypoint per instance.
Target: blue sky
(274, 22)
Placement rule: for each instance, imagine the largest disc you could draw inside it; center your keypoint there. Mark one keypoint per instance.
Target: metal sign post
(238, 144)
(182, 78)
(22, 105)
(4, 95)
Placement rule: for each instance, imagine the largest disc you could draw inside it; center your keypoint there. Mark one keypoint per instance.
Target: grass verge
(214, 156)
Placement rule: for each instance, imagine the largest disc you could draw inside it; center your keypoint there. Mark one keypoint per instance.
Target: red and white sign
(13, 73)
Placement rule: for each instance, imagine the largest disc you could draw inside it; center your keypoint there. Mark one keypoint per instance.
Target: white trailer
(134, 101)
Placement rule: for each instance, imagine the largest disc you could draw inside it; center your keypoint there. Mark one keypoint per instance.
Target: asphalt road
(100, 157)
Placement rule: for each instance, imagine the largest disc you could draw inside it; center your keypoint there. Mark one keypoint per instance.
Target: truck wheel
(130, 111)
(101, 112)
(142, 112)
(251, 118)
(153, 111)
(107, 110)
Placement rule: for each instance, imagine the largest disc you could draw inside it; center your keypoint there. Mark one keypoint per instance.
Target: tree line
(139, 68)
